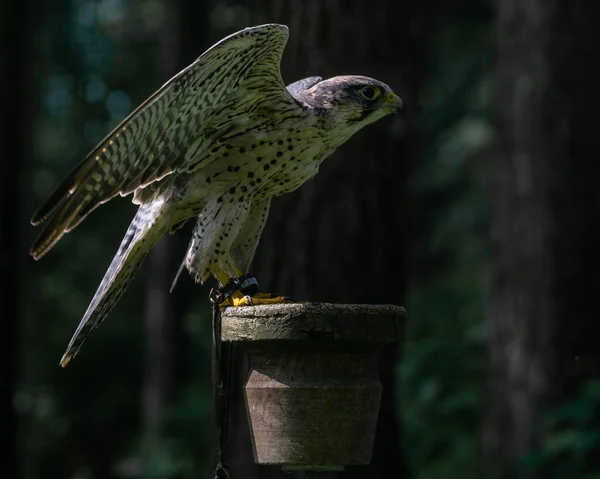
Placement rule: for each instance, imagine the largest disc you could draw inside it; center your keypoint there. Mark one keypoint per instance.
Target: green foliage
(572, 437)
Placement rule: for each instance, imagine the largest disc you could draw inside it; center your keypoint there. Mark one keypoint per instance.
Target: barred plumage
(216, 142)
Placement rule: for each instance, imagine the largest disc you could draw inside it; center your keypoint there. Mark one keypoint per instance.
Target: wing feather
(152, 141)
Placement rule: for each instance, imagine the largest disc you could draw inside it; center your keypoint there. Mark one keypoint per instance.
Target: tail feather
(148, 226)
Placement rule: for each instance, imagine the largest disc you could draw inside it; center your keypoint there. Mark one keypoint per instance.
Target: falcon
(216, 143)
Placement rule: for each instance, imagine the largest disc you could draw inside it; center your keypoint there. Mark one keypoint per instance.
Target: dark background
(478, 212)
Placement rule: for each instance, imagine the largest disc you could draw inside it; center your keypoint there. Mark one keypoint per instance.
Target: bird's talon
(245, 300)
(268, 298)
(246, 296)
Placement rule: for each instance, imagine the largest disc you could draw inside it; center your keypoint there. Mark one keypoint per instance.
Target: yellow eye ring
(370, 93)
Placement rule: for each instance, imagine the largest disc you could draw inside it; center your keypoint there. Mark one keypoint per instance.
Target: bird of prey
(216, 143)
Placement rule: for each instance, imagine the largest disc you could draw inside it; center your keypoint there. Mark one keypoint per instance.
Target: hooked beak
(393, 104)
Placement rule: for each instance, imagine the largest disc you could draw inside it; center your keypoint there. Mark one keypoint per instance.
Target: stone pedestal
(313, 391)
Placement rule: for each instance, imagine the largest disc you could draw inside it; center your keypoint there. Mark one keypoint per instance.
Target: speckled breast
(266, 161)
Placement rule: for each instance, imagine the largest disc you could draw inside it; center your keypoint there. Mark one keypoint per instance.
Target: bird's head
(353, 101)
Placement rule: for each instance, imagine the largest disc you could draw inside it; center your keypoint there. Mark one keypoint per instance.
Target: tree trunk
(341, 237)
(527, 175)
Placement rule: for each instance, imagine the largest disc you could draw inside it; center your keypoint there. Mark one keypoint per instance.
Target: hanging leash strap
(222, 366)
(221, 380)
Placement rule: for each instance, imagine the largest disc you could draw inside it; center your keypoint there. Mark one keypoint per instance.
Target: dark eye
(369, 92)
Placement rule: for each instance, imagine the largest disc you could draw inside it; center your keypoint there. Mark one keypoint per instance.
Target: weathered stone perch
(313, 391)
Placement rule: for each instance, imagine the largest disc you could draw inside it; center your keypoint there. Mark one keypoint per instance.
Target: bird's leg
(244, 291)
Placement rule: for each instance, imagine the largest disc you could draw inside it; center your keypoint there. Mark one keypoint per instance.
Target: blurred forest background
(478, 211)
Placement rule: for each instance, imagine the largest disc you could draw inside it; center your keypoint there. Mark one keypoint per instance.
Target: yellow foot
(240, 299)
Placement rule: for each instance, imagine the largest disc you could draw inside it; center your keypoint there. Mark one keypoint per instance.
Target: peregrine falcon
(216, 143)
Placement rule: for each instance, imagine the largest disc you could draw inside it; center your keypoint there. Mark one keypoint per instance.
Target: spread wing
(150, 143)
